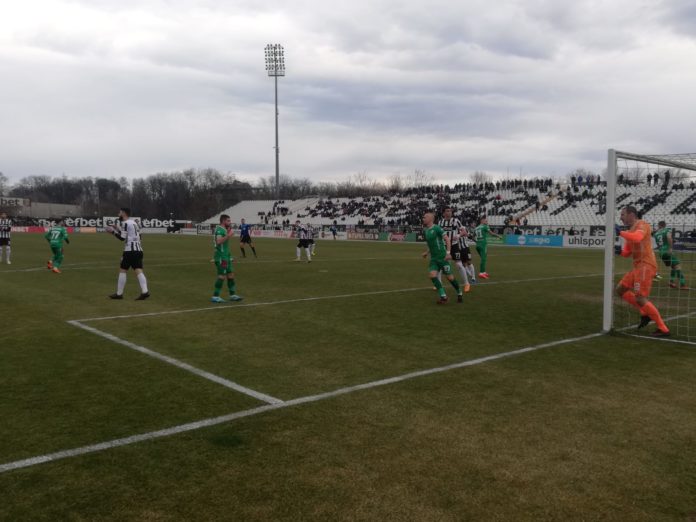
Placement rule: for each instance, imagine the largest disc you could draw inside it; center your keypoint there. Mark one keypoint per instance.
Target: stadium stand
(542, 202)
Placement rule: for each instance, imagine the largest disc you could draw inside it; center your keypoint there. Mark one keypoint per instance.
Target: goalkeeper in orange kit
(635, 286)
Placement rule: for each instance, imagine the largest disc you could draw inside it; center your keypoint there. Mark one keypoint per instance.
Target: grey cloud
(384, 86)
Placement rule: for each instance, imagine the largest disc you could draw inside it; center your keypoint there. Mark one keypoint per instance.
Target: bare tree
(396, 183)
(4, 184)
(420, 178)
(479, 177)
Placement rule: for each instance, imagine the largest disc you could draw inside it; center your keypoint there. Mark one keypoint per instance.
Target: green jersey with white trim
(661, 239)
(222, 250)
(435, 238)
(481, 233)
(56, 235)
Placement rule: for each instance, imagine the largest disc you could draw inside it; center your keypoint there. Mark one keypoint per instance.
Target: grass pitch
(602, 428)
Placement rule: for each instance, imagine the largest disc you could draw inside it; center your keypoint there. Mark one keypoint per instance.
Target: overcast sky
(131, 88)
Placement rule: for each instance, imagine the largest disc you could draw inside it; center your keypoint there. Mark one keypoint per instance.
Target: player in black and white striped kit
(5, 237)
(128, 231)
(302, 241)
(459, 251)
(311, 235)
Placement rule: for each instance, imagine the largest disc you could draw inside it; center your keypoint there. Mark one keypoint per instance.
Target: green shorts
(670, 259)
(440, 264)
(224, 266)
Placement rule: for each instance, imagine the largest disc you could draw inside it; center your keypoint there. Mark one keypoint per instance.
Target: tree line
(190, 194)
(196, 194)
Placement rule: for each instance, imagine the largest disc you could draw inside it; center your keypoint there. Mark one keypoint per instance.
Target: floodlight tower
(275, 66)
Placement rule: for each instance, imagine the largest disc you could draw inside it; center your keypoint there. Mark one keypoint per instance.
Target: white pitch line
(663, 339)
(75, 452)
(322, 298)
(180, 364)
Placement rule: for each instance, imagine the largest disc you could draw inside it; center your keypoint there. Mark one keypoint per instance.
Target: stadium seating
(541, 202)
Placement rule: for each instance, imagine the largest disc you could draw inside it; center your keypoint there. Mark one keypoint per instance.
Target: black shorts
(5, 241)
(311, 241)
(460, 254)
(132, 260)
(466, 254)
(245, 239)
(303, 243)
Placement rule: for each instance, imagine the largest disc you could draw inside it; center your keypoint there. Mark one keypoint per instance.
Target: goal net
(662, 188)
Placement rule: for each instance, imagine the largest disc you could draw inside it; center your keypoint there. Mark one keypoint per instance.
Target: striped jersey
(129, 232)
(5, 228)
(451, 227)
(302, 232)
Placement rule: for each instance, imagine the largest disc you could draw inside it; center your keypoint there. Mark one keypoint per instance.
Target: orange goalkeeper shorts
(640, 279)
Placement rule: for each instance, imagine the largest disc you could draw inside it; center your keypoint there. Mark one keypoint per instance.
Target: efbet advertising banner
(537, 241)
(106, 221)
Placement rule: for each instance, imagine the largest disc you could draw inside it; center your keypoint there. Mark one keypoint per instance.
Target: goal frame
(610, 220)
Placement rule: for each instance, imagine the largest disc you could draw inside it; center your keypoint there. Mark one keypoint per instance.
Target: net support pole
(608, 299)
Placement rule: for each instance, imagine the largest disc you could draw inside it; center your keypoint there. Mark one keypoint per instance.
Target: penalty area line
(213, 421)
(180, 364)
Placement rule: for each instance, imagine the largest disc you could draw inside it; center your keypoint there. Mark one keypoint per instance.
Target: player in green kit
(55, 237)
(665, 243)
(439, 247)
(223, 260)
(481, 234)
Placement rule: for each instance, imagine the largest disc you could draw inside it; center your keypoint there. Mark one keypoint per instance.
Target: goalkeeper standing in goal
(665, 244)
(635, 286)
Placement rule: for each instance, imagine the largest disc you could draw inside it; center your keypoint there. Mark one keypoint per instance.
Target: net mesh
(663, 189)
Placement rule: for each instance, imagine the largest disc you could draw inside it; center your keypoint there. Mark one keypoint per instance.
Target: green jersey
(435, 237)
(661, 239)
(56, 235)
(481, 234)
(222, 250)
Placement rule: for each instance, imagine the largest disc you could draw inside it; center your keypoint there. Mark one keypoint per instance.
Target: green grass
(598, 429)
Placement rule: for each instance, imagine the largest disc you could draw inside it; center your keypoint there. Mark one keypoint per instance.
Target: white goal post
(671, 199)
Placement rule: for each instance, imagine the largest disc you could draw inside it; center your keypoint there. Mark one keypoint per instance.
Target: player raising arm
(665, 247)
(635, 286)
(439, 248)
(223, 260)
(55, 237)
(481, 233)
(128, 231)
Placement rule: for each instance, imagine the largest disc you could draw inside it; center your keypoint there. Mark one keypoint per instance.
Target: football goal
(661, 189)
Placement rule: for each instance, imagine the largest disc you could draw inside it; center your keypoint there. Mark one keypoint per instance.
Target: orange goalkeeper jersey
(642, 250)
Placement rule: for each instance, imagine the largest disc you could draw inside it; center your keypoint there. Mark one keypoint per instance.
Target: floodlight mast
(275, 66)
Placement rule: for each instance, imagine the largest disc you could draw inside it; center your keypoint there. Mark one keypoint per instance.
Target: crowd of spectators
(515, 200)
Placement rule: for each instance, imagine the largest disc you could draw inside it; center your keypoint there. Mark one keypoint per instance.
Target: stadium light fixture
(275, 67)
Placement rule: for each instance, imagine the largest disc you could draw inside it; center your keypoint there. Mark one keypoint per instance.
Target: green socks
(456, 286)
(437, 284)
(674, 274)
(231, 286)
(218, 287)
